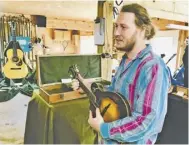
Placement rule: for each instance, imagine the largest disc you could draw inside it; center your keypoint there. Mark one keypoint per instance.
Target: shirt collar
(145, 51)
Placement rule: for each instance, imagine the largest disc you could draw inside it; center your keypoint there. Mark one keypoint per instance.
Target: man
(185, 62)
(142, 78)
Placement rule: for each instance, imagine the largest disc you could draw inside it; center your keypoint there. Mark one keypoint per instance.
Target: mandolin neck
(87, 90)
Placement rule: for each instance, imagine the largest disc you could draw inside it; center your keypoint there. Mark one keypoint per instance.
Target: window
(87, 45)
(166, 42)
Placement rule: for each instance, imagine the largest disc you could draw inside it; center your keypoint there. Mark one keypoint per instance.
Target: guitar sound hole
(15, 59)
(19, 63)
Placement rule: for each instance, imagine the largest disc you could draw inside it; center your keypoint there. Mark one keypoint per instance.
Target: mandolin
(15, 67)
(113, 106)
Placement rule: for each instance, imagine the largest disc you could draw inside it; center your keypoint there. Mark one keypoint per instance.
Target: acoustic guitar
(15, 67)
(113, 106)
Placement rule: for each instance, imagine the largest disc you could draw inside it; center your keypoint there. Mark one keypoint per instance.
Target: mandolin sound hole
(112, 113)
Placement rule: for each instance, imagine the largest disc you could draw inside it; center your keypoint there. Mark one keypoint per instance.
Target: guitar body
(15, 70)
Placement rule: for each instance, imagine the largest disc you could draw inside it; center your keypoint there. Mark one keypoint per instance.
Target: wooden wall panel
(181, 47)
(70, 24)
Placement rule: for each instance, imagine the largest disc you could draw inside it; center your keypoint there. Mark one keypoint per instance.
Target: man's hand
(95, 122)
(75, 86)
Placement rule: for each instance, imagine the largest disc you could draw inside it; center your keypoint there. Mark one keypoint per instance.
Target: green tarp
(66, 122)
(9, 92)
(62, 123)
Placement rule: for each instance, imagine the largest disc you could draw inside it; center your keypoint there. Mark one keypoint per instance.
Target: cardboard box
(179, 91)
(52, 68)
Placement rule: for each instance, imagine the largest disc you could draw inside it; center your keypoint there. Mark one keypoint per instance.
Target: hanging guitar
(113, 106)
(15, 67)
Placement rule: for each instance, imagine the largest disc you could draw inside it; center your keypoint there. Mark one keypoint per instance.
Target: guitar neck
(14, 40)
(13, 35)
(92, 97)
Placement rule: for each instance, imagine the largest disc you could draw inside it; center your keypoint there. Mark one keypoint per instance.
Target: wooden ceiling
(166, 9)
(82, 10)
(87, 9)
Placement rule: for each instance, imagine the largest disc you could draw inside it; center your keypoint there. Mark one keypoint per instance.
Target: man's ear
(143, 28)
(143, 31)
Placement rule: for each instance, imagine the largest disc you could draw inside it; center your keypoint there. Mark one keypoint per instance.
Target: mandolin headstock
(73, 71)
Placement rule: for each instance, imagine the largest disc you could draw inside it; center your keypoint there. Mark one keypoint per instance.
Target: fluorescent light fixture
(178, 27)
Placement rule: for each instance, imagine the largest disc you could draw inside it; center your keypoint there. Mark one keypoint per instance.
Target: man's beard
(129, 45)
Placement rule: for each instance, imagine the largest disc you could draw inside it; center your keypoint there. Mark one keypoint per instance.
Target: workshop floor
(13, 119)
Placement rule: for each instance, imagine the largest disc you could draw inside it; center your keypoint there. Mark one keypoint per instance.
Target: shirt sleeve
(150, 106)
(111, 86)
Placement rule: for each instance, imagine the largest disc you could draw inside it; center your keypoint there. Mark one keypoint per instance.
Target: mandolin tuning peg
(76, 68)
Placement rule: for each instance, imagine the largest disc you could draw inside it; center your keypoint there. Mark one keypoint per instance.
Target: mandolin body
(113, 106)
(118, 106)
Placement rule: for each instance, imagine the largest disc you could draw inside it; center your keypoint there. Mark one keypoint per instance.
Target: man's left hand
(97, 121)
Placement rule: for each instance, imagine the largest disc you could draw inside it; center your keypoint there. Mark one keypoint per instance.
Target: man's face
(125, 32)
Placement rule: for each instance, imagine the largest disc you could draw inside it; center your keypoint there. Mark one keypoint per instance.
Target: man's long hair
(142, 19)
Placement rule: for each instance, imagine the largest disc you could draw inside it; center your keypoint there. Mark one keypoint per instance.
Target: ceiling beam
(162, 23)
